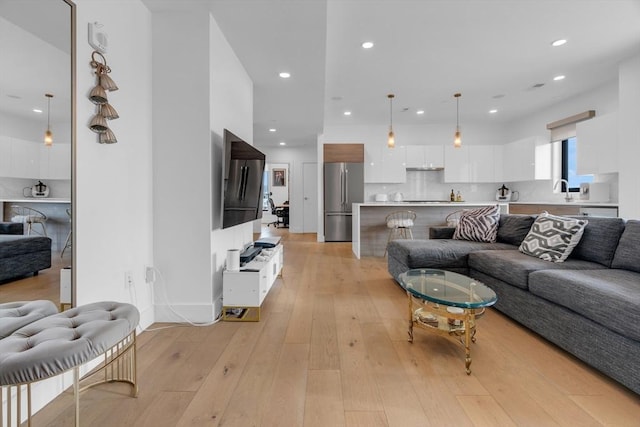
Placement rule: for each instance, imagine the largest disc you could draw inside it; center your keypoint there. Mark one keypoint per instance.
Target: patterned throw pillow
(478, 225)
(552, 238)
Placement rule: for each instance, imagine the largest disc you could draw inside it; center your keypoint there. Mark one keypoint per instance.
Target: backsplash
(430, 185)
(19, 187)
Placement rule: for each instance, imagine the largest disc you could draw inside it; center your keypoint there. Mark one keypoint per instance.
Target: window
(570, 166)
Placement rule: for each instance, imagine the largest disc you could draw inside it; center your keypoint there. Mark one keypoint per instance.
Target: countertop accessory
(381, 197)
(505, 195)
(39, 190)
(398, 197)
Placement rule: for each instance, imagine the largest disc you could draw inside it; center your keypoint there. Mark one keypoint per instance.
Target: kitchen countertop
(429, 203)
(577, 202)
(35, 200)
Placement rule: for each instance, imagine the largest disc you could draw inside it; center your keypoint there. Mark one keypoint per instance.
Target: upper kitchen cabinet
(31, 160)
(338, 153)
(469, 163)
(597, 145)
(424, 156)
(526, 159)
(384, 165)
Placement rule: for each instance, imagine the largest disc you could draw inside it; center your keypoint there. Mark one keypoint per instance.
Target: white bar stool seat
(400, 224)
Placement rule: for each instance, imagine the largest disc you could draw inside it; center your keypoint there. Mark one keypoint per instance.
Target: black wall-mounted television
(242, 171)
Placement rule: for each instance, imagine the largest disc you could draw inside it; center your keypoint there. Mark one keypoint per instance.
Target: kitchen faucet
(567, 197)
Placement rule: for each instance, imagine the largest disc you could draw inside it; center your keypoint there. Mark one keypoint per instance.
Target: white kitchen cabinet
(25, 159)
(597, 145)
(244, 291)
(527, 159)
(473, 164)
(424, 156)
(456, 164)
(384, 165)
(482, 163)
(55, 161)
(5, 156)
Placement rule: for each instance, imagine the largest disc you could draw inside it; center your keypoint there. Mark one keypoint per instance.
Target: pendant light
(48, 135)
(391, 140)
(457, 141)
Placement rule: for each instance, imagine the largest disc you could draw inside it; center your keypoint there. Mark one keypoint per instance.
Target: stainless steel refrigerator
(343, 185)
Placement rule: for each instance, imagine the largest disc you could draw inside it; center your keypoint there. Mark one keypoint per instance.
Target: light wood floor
(332, 350)
(46, 285)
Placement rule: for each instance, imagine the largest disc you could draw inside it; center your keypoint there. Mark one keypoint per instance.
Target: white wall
(193, 104)
(295, 157)
(629, 138)
(113, 185)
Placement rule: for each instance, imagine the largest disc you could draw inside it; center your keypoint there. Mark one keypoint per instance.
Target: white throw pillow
(552, 238)
(478, 225)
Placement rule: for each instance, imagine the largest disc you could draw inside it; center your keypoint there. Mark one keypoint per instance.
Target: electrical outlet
(128, 279)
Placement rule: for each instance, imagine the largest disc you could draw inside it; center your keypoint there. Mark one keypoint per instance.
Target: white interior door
(310, 198)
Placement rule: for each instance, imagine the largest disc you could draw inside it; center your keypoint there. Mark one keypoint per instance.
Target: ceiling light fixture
(48, 135)
(285, 75)
(283, 143)
(558, 78)
(367, 45)
(347, 113)
(37, 110)
(558, 42)
(391, 138)
(420, 112)
(457, 141)
(272, 130)
(493, 111)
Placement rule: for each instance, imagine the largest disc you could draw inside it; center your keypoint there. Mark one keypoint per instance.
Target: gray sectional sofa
(21, 255)
(588, 305)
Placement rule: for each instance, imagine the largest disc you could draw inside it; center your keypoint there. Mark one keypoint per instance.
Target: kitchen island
(370, 232)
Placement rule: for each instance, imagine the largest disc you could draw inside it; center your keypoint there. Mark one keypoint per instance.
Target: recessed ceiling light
(498, 96)
(347, 113)
(283, 143)
(367, 45)
(558, 42)
(14, 96)
(37, 110)
(285, 75)
(556, 78)
(272, 130)
(420, 112)
(493, 111)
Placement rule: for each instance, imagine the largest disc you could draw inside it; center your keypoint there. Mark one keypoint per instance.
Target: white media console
(244, 291)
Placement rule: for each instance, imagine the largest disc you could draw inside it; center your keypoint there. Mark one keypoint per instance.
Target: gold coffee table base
(436, 319)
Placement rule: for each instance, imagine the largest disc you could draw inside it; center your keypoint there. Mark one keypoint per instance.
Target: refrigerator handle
(342, 188)
(346, 188)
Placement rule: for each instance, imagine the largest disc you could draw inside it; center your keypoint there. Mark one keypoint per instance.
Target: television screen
(243, 168)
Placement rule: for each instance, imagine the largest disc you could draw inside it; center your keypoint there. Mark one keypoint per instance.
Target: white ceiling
(425, 51)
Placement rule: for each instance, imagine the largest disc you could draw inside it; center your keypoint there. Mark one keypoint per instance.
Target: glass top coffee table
(446, 303)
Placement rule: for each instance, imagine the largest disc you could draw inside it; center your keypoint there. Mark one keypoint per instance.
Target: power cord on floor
(171, 308)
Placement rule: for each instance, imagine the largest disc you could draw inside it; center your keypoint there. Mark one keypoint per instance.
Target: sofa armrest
(441, 232)
(11, 228)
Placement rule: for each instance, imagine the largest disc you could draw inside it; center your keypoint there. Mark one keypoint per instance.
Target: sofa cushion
(608, 297)
(514, 228)
(12, 245)
(552, 238)
(599, 240)
(627, 255)
(443, 253)
(513, 267)
(478, 225)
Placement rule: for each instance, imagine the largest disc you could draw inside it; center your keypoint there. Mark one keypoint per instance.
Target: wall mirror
(37, 41)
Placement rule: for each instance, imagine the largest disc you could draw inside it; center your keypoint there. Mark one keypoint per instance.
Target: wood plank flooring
(331, 350)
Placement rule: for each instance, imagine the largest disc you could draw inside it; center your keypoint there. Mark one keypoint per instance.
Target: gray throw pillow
(552, 238)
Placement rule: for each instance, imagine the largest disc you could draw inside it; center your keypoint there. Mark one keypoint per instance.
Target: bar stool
(67, 243)
(29, 216)
(399, 224)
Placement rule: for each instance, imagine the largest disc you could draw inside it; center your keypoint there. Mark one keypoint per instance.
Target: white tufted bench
(64, 341)
(14, 315)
